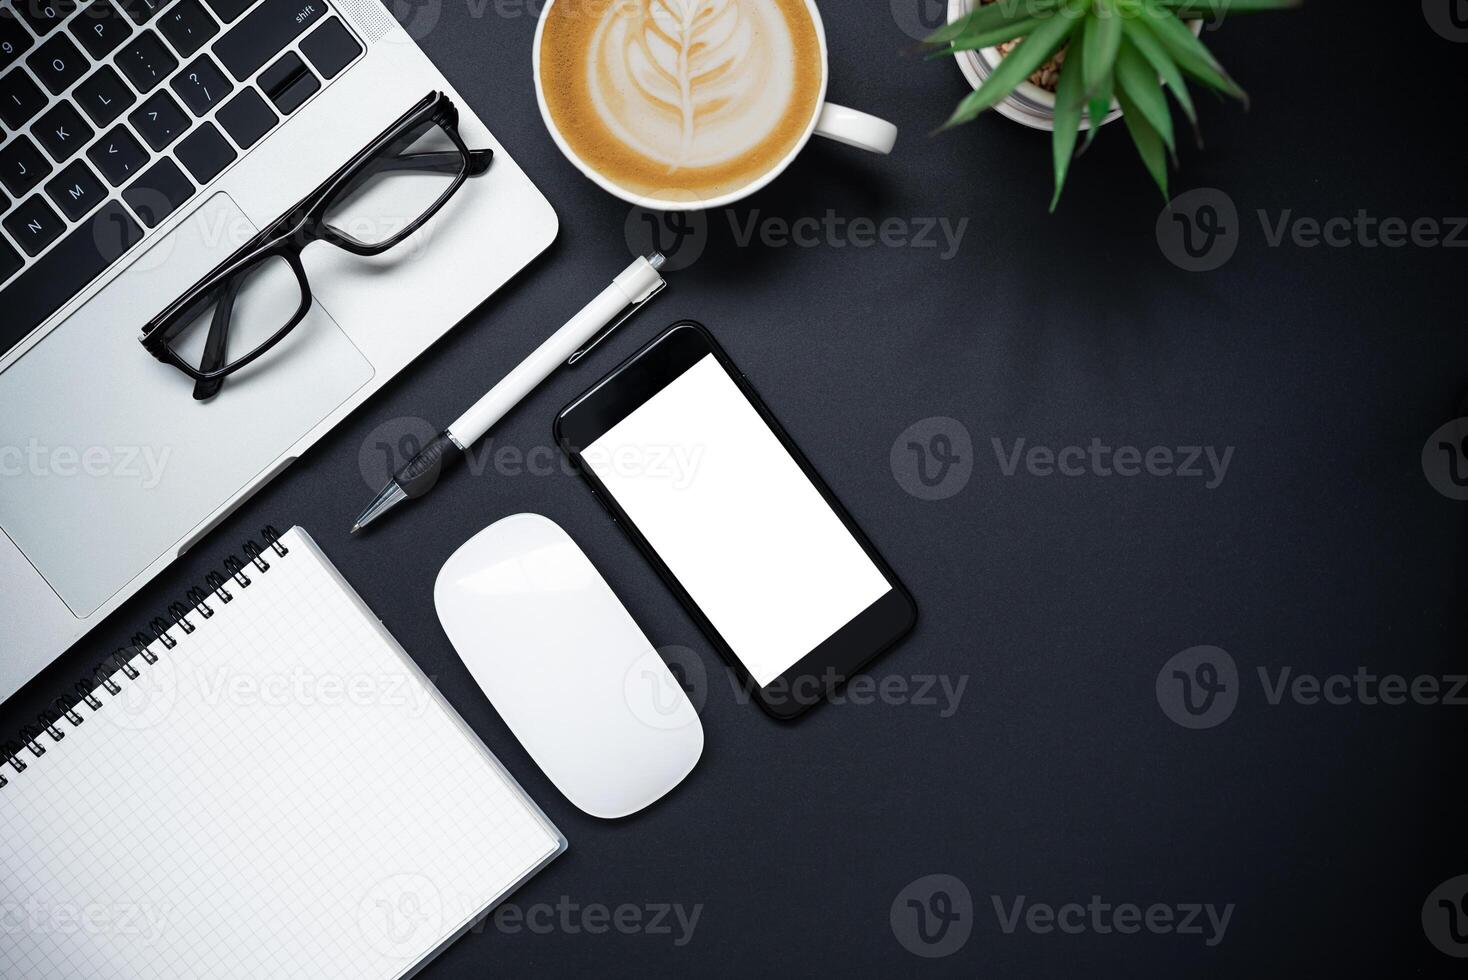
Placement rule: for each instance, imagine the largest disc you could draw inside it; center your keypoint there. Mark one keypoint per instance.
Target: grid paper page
(283, 794)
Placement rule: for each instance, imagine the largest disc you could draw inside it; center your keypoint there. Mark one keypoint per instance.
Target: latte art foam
(693, 98)
(691, 83)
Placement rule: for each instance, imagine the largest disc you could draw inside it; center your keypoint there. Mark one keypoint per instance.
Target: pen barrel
(421, 473)
(529, 373)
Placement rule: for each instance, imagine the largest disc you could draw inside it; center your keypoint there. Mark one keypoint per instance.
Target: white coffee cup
(835, 122)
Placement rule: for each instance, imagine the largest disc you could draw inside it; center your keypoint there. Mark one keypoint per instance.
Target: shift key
(264, 32)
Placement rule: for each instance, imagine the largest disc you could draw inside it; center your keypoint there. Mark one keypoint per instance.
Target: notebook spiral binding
(181, 619)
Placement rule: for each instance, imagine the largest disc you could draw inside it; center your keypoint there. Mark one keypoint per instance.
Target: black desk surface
(1055, 600)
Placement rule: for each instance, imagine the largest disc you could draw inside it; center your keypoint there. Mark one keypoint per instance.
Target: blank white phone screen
(736, 520)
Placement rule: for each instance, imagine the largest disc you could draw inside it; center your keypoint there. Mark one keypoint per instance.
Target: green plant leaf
(1148, 142)
(992, 15)
(1151, 49)
(1097, 108)
(1069, 99)
(1139, 83)
(1101, 41)
(1015, 67)
(998, 35)
(1189, 53)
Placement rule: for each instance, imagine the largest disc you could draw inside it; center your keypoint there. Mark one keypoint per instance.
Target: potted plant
(1074, 64)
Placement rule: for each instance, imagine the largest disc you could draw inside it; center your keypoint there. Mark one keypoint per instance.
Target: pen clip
(606, 331)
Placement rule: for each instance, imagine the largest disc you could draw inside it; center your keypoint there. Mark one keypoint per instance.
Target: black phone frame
(823, 670)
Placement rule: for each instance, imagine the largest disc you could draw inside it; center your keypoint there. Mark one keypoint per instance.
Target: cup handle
(856, 128)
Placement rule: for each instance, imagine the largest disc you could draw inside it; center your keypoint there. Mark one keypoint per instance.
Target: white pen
(637, 284)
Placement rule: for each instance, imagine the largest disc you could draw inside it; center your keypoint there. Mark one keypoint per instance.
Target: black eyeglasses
(250, 302)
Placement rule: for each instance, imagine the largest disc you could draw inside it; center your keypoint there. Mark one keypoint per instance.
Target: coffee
(681, 99)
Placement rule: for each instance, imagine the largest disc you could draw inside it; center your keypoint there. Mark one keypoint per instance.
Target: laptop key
(201, 85)
(76, 190)
(142, 11)
(62, 131)
(205, 153)
(228, 10)
(45, 15)
(100, 27)
(20, 99)
(187, 26)
(34, 225)
(246, 118)
(330, 48)
(288, 83)
(57, 63)
(10, 263)
(65, 271)
(146, 62)
(14, 39)
(104, 96)
(264, 32)
(158, 192)
(159, 120)
(118, 155)
(22, 166)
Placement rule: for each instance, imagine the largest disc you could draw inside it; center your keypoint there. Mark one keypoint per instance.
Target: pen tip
(390, 497)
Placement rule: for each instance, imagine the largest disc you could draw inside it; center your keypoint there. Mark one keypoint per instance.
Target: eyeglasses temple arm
(479, 161)
(217, 341)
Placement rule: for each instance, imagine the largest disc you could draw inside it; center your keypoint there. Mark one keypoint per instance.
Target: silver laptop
(143, 141)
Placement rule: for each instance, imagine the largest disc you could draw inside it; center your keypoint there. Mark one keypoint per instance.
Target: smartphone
(679, 448)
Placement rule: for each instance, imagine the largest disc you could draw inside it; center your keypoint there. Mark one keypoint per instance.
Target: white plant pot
(1029, 104)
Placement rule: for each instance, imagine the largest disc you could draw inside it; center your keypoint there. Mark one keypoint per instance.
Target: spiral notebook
(268, 788)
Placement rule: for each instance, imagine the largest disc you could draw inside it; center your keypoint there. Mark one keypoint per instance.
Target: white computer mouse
(566, 666)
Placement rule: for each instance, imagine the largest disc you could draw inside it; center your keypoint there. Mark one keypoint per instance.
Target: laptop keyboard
(115, 113)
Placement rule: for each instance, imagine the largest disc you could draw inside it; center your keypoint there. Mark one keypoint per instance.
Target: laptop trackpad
(107, 459)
